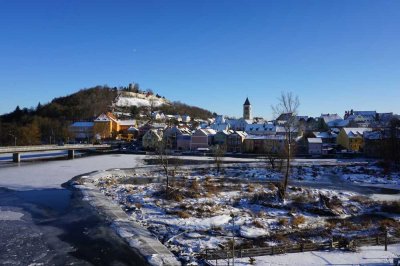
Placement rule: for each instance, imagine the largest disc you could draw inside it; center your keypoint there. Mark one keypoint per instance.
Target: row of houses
(326, 134)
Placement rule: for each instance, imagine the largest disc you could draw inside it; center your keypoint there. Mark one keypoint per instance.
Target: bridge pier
(16, 157)
(71, 154)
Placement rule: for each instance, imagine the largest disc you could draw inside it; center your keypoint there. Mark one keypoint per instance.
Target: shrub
(212, 188)
(301, 198)
(297, 220)
(386, 224)
(250, 188)
(283, 221)
(195, 186)
(258, 224)
(271, 186)
(183, 214)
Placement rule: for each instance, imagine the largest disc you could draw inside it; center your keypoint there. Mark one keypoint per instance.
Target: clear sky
(335, 55)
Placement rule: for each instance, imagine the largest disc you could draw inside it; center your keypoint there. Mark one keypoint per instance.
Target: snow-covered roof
(338, 123)
(240, 133)
(280, 129)
(325, 135)
(260, 127)
(330, 117)
(82, 124)
(373, 135)
(270, 137)
(105, 118)
(127, 122)
(315, 140)
(133, 129)
(208, 131)
(355, 131)
(220, 127)
(365, 113)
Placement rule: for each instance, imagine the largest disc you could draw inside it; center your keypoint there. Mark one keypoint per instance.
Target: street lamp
(15, 138)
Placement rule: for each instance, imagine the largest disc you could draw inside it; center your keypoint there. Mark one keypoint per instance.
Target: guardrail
(52, 147)
(224, 254)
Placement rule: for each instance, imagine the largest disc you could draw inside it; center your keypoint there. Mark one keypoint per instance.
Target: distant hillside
(48, 123)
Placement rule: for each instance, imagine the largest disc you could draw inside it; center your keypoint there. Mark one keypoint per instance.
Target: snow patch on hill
(127, 99)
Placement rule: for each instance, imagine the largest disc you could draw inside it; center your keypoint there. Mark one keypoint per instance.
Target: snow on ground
(130, 101)
(368, 175)
(370, 255)
(198, 214)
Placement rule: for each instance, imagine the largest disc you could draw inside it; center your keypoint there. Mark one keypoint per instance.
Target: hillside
(128, 99)
(48, 123)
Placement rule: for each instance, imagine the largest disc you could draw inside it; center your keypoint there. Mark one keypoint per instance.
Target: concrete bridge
(17, 150)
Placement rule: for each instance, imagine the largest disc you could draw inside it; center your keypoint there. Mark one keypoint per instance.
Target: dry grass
(283, 222)
(298, 220)
(250, 188)
(258, 224)
(183, 214)
(195, 186)
(211, 188)
(360, 199)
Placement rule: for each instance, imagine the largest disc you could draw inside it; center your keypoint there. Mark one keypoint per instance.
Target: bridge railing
(50, 147)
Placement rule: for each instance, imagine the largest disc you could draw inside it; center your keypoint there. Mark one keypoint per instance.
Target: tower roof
(247, 102)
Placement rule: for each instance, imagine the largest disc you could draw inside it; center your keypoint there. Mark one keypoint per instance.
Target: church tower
(247, 110)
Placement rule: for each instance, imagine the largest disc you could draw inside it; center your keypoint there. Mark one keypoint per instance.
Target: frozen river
(43, 223)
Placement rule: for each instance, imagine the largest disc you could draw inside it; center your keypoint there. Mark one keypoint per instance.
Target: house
(219, 127)
(183, 142)
(235, 141)
(171, 135)
(328, 137)
(151, 139)
(221, 137)
(374, 143)
(382, 143)
(283, 131)
(352, 138)
(219, 124)
(105, 126)
(123, 129)
(202, 138)
(143, 130)
(263, 144)
(314, 146)
(334, 120)
(186, 119)
(81, 131)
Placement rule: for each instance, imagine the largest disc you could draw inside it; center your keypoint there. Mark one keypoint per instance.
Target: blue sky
(335, 55)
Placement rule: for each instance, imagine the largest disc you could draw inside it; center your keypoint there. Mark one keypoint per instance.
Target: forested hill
(49, 122)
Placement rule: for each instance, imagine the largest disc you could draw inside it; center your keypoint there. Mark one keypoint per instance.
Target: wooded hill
(48, 123)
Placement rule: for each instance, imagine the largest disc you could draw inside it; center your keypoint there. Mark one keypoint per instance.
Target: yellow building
(352, 138)
(108, 126)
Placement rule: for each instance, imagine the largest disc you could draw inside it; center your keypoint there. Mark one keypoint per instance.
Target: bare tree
(286, 111)
(218, 155)
(273, 155)
(163, 160)
(170, 165)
